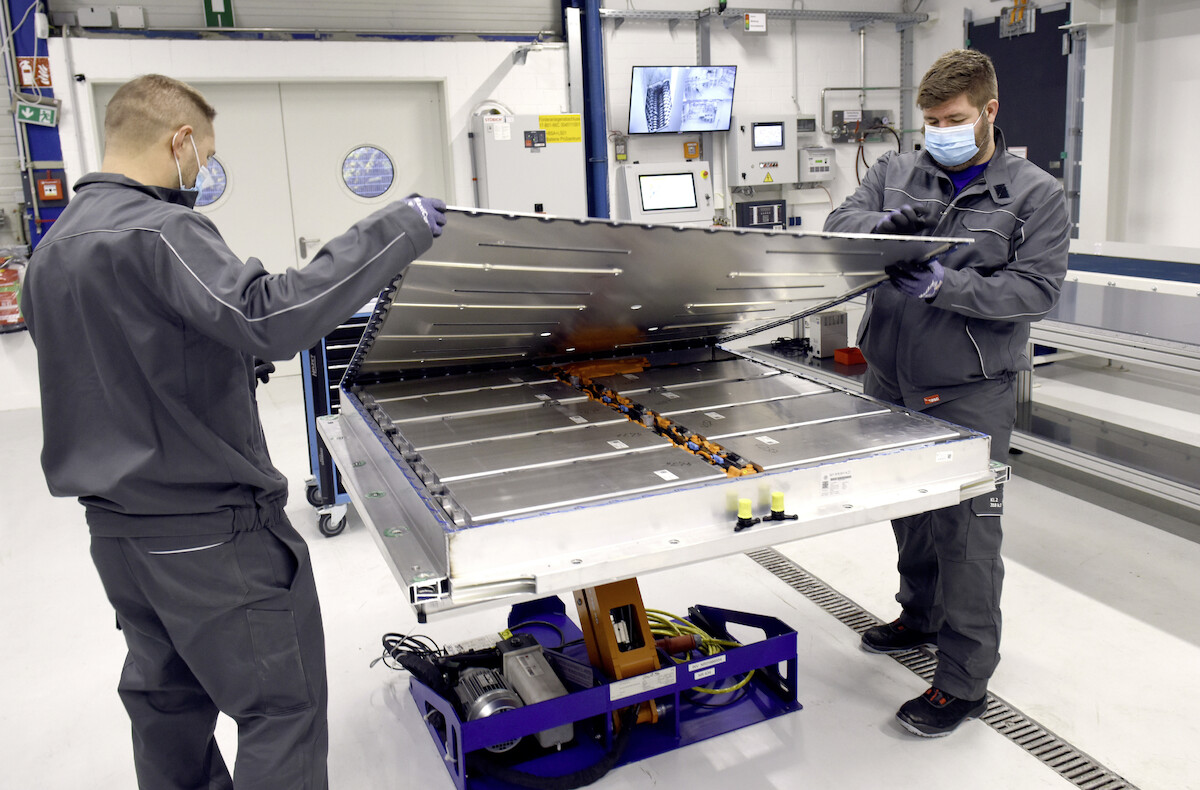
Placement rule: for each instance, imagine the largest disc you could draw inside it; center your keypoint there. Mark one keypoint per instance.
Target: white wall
(827, 56)
(470, 72)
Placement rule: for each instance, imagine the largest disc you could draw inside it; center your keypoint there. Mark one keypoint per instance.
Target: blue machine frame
(322, 367)
(770, 693)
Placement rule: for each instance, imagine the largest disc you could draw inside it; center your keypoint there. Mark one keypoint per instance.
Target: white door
(302, 162)
(354, 148)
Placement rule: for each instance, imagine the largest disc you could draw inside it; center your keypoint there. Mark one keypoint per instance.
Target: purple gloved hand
(430, 210)
(906, 220)
(918, 280)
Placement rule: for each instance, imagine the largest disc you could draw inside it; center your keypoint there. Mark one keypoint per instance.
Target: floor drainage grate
(1070, 763)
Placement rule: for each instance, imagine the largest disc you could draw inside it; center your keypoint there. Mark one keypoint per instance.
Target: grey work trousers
(231, 623)
(951, 573)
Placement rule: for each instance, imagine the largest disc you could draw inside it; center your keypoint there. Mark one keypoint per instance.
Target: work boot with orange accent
(935, 713)
(895, 638)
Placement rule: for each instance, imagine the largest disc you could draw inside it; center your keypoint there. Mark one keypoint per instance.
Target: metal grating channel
(1070, 763)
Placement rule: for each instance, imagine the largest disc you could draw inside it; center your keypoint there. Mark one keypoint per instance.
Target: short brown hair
(956, 72)
(147, 107)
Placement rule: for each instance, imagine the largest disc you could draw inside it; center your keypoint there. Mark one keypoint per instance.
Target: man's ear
(180, 135)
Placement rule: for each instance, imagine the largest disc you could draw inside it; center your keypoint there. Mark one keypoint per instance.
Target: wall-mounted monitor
(669, 193)
(766, 136)
(677, 99)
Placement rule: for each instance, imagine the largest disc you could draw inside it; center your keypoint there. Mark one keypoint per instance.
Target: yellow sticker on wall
(562, 128)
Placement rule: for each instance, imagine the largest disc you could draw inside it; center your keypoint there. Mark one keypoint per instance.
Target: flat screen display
(766, 135)
(667, 191)
(675, 99)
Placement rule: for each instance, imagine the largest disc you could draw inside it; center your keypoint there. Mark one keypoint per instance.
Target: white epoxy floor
(1101, 645)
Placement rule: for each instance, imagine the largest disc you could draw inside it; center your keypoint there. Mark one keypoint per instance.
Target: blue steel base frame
(321, 369)
(770, 693)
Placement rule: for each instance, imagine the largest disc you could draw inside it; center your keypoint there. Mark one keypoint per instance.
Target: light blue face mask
(204, 175)
(952, 145)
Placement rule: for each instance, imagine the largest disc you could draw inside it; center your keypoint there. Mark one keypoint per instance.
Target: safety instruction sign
(36, 114)
(33, 72)
(562, 128)
(218, 13)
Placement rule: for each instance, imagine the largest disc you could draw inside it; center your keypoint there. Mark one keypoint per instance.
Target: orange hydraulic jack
(617, 633)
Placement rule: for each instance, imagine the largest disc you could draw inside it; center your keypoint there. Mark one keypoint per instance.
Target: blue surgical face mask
(952, 145)
(204, 175)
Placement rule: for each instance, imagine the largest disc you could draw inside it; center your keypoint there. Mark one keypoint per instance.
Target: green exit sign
(218, 13)
(37, 114)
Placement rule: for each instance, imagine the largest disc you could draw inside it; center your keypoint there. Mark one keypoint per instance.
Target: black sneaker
(935, 713)
(895, 638)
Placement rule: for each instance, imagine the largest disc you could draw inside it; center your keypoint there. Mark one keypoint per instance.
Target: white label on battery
(712, 415)
(617, 444)
(631, 377)
(704, 673)
(852, 115)
(503, 131)
(835, 483)
(944, 456)
(641, 683)
(708, 662)
(670, 395)
(665, 475)
(766, 440)
(514, 379)
(578, 420)
(542, 396)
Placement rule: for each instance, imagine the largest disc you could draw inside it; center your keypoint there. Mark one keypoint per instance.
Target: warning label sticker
(562, 128)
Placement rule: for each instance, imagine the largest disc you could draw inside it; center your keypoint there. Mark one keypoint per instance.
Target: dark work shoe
(895, 638)
(935, 713)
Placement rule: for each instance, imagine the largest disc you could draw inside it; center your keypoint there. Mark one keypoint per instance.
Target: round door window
(367, 171)
(215, 188)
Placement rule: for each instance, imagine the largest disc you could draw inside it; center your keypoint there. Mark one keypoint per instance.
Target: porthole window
(367, 171)
(215, 188)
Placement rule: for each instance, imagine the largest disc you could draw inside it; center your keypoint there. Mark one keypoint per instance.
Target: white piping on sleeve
(914, 197)
(289, 308)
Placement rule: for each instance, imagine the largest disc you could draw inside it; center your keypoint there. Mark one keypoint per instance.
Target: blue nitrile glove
(919, 280)
(906, 220)
(431, 211)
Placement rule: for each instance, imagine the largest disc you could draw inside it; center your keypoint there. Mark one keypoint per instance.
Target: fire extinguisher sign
(34, 72)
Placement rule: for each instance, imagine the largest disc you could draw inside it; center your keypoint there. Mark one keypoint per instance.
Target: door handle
(304, 245)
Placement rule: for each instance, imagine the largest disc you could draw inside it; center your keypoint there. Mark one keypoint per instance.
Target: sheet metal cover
(503, 287)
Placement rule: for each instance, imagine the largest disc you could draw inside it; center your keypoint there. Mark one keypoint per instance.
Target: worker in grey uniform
(147, 330)
(948, 338)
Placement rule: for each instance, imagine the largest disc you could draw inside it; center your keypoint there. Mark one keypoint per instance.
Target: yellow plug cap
(776, 501)
(744, 510)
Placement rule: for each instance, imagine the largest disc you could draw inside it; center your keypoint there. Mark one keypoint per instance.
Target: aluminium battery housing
(542, 404)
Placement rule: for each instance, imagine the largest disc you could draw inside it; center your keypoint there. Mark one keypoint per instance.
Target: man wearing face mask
(147, 328)
(948, 338)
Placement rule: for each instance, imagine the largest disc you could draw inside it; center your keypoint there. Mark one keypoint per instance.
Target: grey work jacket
(147, 326)
(977, 327)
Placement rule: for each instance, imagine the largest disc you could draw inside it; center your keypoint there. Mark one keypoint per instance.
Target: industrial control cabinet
(530, 163)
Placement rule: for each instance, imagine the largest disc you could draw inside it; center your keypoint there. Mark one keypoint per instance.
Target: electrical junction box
(806, 126)
(763, 214)
(91, 16)
(853, 126)
(817, 164)
(826, 331)
(532, 164)
(762, 150)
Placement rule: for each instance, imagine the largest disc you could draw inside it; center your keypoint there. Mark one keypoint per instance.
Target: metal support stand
(594, 699)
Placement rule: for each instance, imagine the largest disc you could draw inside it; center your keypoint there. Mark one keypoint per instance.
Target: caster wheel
(313, 494)
(328, 528)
